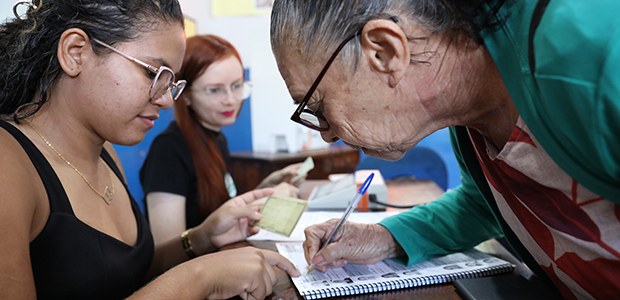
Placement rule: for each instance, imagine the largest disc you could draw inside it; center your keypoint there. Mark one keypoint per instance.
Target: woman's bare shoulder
(20, 184)
(22, 216)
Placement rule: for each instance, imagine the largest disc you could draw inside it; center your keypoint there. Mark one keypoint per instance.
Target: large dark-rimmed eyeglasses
(311, 119)
(163, 77)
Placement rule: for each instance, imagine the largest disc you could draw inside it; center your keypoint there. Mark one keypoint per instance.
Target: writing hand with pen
(356, 243)
(337, 242)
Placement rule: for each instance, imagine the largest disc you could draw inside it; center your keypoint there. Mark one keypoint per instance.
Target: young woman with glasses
(185, 176)
(76, 76)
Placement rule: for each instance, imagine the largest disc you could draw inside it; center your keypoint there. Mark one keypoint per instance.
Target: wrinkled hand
(355, 243)
(286, 174)
(234, 220)
(246, 272)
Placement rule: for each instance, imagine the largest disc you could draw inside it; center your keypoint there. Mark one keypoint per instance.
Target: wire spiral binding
(404, 283)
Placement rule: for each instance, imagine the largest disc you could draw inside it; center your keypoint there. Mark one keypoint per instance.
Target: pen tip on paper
(310, 268)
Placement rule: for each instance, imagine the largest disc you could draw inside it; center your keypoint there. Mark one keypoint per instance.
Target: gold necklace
(107, 194)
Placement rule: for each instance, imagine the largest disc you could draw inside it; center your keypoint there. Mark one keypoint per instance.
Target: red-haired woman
(185, 176)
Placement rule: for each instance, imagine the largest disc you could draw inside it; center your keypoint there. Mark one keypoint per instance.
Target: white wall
(6, 10)
(271, 103)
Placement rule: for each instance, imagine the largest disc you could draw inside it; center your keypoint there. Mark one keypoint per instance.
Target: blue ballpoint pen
(347, 212)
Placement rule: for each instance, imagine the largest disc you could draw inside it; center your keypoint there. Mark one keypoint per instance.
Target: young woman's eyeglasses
(219, 92)
(163, 77)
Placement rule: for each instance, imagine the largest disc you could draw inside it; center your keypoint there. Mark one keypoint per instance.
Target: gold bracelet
(187, 244)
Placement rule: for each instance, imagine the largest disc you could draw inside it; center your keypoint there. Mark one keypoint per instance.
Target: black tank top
(70, 259)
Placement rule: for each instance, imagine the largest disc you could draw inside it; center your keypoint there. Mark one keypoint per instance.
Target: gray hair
(319, 25)
(28, 63)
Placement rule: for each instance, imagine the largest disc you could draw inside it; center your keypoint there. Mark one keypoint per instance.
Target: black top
(169, 168)
(71, 260)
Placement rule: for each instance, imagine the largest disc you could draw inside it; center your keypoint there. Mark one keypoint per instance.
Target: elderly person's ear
(384, 45)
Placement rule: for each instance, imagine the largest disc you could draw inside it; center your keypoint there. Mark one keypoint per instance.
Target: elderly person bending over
(531, 93)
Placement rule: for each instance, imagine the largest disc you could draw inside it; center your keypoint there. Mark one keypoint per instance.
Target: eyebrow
(219, 84)
(240, 79)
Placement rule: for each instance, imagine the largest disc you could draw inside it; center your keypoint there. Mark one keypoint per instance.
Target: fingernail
(317, 260)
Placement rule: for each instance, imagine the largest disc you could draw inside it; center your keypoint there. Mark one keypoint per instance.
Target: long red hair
(201, 52)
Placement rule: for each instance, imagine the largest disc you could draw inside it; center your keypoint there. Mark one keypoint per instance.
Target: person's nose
(329, 137)
(229, 98)
(165, 101)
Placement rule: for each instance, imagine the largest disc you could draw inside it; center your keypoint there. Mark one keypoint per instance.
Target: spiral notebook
(389, 274)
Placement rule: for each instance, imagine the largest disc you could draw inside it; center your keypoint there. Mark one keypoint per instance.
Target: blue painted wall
(440, 142)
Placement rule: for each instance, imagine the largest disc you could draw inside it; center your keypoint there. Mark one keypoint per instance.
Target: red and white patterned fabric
(572, 233)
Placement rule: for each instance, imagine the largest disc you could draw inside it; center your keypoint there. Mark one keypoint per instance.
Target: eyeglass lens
(164, 81)
(219, 92)
(161, 83)
(177, 89)
(313, 119)
(241, 91)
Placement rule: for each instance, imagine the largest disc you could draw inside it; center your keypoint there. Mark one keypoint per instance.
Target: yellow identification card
(280, 214)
